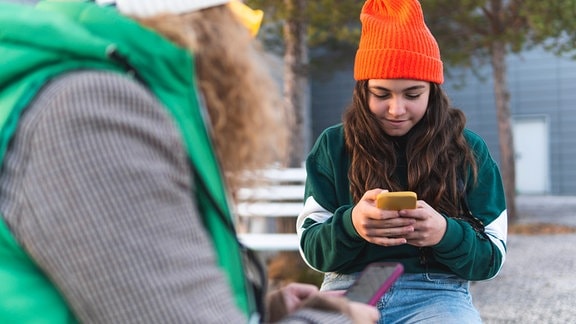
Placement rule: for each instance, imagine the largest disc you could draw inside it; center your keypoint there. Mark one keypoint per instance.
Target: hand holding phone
(396, 200)
(374, 281)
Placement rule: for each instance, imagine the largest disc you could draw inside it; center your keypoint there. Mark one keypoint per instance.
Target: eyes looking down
(399, 104)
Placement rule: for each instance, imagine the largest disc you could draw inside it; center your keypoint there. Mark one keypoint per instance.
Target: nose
(396, 107)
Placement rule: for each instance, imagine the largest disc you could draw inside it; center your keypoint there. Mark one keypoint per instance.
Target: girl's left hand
(429, 227)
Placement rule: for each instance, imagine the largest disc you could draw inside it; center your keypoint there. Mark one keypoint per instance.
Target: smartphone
(374, 281)
(396, 200)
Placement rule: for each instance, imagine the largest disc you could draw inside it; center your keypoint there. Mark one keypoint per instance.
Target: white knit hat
(147, 8)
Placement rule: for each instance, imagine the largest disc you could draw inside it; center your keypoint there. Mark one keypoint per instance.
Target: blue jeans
(419, 298)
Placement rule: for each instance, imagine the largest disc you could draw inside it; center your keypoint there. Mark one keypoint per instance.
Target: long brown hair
(437, 155)
(249, 122)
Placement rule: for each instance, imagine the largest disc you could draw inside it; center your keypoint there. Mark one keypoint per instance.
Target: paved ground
(538, 281)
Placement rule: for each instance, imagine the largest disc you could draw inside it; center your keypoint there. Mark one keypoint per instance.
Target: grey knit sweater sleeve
(96, 188)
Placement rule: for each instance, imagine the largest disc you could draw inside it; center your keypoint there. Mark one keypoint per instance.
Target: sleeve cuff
(348, 226)
(452, 238)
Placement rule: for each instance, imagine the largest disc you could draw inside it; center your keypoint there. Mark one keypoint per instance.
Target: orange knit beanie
(396, 44)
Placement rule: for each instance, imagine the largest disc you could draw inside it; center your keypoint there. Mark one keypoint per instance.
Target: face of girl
(399, 104)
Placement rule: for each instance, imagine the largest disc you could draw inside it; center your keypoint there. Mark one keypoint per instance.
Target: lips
(395, 122)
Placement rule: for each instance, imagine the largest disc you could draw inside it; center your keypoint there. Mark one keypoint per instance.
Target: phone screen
(374, 281)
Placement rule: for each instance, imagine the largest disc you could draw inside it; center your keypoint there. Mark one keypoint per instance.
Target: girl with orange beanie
(401, 133)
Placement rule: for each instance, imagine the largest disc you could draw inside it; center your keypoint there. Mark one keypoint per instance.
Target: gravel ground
(538, 281)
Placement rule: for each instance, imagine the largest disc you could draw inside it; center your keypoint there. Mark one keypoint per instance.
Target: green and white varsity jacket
(329, 242)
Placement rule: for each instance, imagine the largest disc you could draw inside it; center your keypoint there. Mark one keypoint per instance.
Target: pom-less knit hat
(396, 44)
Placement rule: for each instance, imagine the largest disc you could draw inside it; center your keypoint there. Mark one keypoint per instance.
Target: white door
(531, 146)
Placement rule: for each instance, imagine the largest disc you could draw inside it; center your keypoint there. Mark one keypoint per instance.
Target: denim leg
(337, 281)
(419, 298)
(429, 298)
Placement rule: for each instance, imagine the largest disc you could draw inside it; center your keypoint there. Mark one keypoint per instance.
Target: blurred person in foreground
(124, 126)
(401, 133)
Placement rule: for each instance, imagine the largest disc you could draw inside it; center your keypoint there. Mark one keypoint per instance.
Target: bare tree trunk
(502, 96)
(288, 266)
(296, 89)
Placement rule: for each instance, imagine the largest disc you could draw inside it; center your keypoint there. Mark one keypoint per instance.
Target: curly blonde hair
(250, 125)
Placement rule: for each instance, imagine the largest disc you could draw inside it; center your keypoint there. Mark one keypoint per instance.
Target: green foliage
(328, 20)
(333, 29)
(466, 30)
(553, 24)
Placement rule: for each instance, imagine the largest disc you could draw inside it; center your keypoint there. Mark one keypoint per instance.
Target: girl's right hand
(377, 226)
